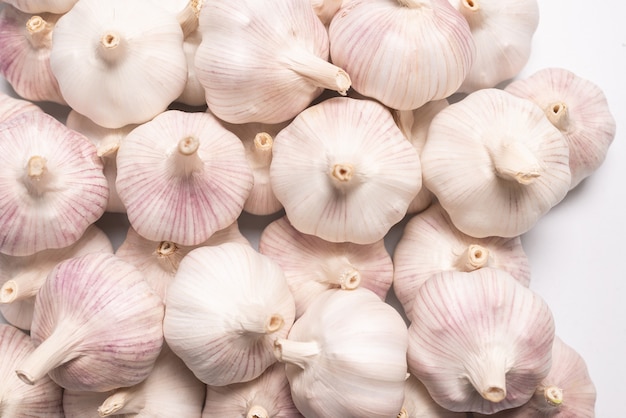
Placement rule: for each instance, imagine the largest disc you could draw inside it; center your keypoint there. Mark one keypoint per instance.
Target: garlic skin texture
(42, 6)
(11, 107)
(495, 163)
(226, 306)
(313, 265)
(579, 109)
(344, 171)
(264, 61)
(52, 184)
(419, 404)
(430, 244)
(17, 400)
(490, 351)
(75, 344)
(402, 53)
(346, 357)
(118, 62)
(266, 396)
(502, 32)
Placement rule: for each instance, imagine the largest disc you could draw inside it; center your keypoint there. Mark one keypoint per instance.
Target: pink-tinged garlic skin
(479, 341)
(225, 308)
(430, 244)
(119, 62)
(182, 177)
(579, 109)
(40, 6)
(25, 44)
(78, 345)
(264, 61)
(326, 9)
(22, 276)
(344, 171)
(419, 404)
(495, 163)
(17, 400)
(52, 185)
(313, 265)
(502, 32)
(269, 395)
(11, 107)
(402, 53)
(193, 93)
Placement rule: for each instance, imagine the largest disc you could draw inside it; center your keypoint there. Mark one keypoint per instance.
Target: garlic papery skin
(402, 53)
(495, 163)
(326, 9)
(479, 341)
(42, 6)
(226, 306)
(266, 396)
(25, 45)
(182, 177)
(159, 260)
(18, 400)
(193, 94)
(579, 109)
(52, 185)
(419, 404)
(313, 265)
(21, 277)
(119, 62)
(430, 244)
(75, 344)
(346, 356)
(502, 32)
(264, 61)
(344, 171)
(11, 107)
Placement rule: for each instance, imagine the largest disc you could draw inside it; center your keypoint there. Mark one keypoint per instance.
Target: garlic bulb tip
(494, 394)
(36, 167)
(257, 411)
(554, 395)
(188, 145)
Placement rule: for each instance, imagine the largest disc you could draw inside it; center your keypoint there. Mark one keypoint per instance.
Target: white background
(577, 250)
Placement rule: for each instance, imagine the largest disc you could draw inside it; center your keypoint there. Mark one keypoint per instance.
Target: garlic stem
(558, 115)
(107, 148)
(123, 401)
(488, 376)
(169, 254)
(188, 18)
(470, 5)
(403, 413)
(515, 162)
(37, 179)
(250, 322)
(40, 32)
(299, 353)
(186, 160)
(318, 71)
(112, 47)
(262, 149)
(553, 395)
(474, 257)
(257, 411)
(21, 287)
(339, 271)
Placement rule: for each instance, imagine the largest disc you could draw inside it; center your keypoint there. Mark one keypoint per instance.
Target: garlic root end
(494, 394)
(257, 411)
(553, 395)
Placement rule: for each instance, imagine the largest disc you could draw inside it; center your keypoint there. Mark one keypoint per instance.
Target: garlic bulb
(11, 107)
(264, 61)
(430, 244)
(182, 177)
(502, 32)
(495, 163)
(118, 62)
(479, 341)
(346, 357)
(25, 43)
(419, 404)
(326, 9)
(193, 93)
(225, 308)
(39, 6)
(266, 396)
(403, 53)
(76, 344)
(52, 185)
(579, 109)
(18, 400)
(312, 265)
(21, 277)
(344, 172)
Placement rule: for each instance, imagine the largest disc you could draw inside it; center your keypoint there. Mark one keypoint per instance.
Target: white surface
(576, 250)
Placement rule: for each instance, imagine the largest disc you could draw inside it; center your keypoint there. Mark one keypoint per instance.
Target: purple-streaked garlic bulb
(346, 356)
(159, 260)
(226, 306)
(22, 276)
(502, 31)
(344, 171)
(119, 62)
(171, 390)
(97, 326)
(567, 391)
(18, 400)
(267, 396)
(403, 53)
(419, 404)
(11, 107)
(479, 341)
(579, 109)
(42, 6)
(264, 61)
(495, 163)
(52, 184)
(430, 244)
(313, 265)
(182, 177)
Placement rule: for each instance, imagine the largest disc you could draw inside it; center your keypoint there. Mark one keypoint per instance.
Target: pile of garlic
(336, 119)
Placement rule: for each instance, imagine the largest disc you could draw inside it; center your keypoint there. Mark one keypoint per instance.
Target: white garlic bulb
(11, 107)
(40, 6)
